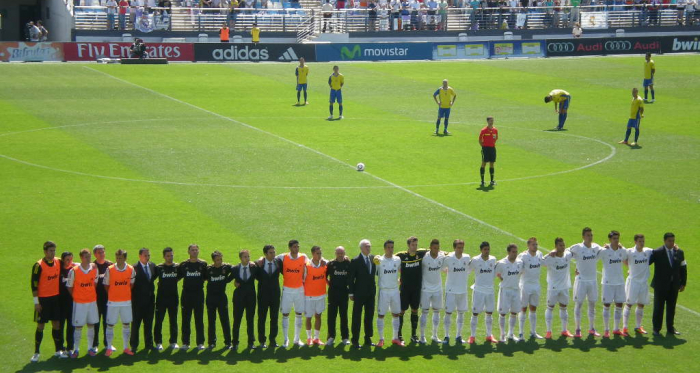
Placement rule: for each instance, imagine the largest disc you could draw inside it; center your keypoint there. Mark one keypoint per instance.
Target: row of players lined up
(83, 293)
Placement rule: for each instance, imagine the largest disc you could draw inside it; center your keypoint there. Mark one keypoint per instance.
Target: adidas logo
(289, 55)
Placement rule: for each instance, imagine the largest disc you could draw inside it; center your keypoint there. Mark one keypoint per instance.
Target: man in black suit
(143, 300)
(670, 276)
(244, 275)
(268, 294)
(363, 289)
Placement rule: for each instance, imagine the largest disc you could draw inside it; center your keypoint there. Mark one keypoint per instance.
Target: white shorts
(431, 299)
(637, 293)
(389, 299)
(314, 306)
(557, 296)
(508, 301)
(114, 313)
(613, 294)
(529, 295)
(292, 297)
(585, 290)
(458, 301)
(85, 313)
(482, 302)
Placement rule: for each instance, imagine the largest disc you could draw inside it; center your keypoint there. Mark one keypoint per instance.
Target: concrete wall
(58, 20)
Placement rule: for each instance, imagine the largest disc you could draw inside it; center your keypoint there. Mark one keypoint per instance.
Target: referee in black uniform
(193, 272)
(166, 299)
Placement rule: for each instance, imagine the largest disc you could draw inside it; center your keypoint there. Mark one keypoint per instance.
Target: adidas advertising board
(248, 52)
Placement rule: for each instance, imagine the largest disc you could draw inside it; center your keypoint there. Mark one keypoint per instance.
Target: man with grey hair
(337, 274)
(102, 264)
(363, 290)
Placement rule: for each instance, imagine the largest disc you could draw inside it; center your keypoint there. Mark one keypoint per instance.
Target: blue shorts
(633, 123)
(336, 95)
(648, 82)
(444, 113)
(565, 105)
(301, 86)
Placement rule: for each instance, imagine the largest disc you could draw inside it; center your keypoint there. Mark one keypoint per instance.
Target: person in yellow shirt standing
(302, 71)
(255, 34)
(561, 99)
(649, 71)
(336, 82)
(636, 115)
(445, 97)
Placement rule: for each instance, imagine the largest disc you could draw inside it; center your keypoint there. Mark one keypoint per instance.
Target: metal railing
(363, 20)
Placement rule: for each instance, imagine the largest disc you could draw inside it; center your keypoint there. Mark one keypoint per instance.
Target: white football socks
(395, 324)
(617, 317)
(489, 324)
(548, 316)
(606, 317)
(126, 335)
(521, 319)
(511, 327)
(533, 322)
(297, 327)
(577, 314)
(564, 316)
(436, 322)
(460, 323)
(285, 327)
(502, 325)
(446, 323)
(90, 336)
(639, 314)
(380, 327)
(473, 322)
(423, 322)
(591, 314)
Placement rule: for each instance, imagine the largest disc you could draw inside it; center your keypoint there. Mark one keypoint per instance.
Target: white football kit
(431, 292)
(636, 286)
(558, 278)
(482, 289)
(613, 281)
(388, 273)
(585, 286)
(530, 278)
(456, 282)
(509, 288)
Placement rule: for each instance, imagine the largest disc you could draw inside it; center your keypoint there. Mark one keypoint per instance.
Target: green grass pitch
(155, 156)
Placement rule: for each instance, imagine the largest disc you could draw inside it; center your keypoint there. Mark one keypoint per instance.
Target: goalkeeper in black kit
(411, 282)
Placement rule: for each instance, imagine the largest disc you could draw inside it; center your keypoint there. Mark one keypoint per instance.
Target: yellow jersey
(559, 95)
(637, 105)
(648, 66)
(446, 96)
(255, 32)
(302, 73)
(336, 81)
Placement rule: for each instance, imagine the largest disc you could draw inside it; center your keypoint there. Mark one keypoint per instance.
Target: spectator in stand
(232, 13)
(327, 10)
(405, 17)
(680, 8)
(690, 12)
(653, 9)
(395, 14)
(294, 4)
(340, 4)
(577, 31)
(43, 31)
(123, 6)
(34, 32)
(432, 12)
(443, 15)
(111, 11)
(372, 16)
(475, 5)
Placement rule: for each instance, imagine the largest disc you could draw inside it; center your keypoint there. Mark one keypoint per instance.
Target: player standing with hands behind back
(487, 140)
(336, 82)
(302, 71)
(447, 97)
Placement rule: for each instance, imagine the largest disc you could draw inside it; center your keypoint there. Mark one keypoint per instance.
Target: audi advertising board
(374, 51)
(680, 44)
(603, 46)
(226, 52)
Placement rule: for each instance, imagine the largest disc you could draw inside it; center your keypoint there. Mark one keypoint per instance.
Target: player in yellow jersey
(561, 99)
(336, 82)
(636, 115)
(302, 71)
(445, 97)
(649, 71)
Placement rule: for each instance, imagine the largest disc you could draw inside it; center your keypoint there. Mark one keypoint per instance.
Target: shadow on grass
(453, 351)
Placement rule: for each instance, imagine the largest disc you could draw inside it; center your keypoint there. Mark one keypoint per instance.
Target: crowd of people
(383, 15)
(35, 31)
(85, 294)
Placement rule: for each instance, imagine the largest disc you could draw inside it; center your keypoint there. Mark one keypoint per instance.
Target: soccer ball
(360, 166)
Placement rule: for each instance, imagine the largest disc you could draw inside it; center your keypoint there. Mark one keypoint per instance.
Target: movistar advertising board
(374, 51)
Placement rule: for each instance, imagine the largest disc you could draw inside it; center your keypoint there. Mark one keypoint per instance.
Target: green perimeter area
(155, 156)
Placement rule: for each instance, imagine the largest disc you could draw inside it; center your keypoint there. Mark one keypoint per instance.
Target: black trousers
(162, 306)
(664, 296)
(67, 321)
(102, 311)
(269, 303)
(192, 304)
(366, 303)
(143, 313)
(338, 304)
(218, 303)
(241, 304)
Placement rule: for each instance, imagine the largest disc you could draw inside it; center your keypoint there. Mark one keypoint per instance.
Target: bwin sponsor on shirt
(459, 269)
(560, 267)
(433, 269)
(340, 273)
(388, 271)
(589, 257)
(289, 270)
(514, 273)
(485, 270)
(217, 278)
(192, 274)
(169, 275)
(411, 265)
(642, 261)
